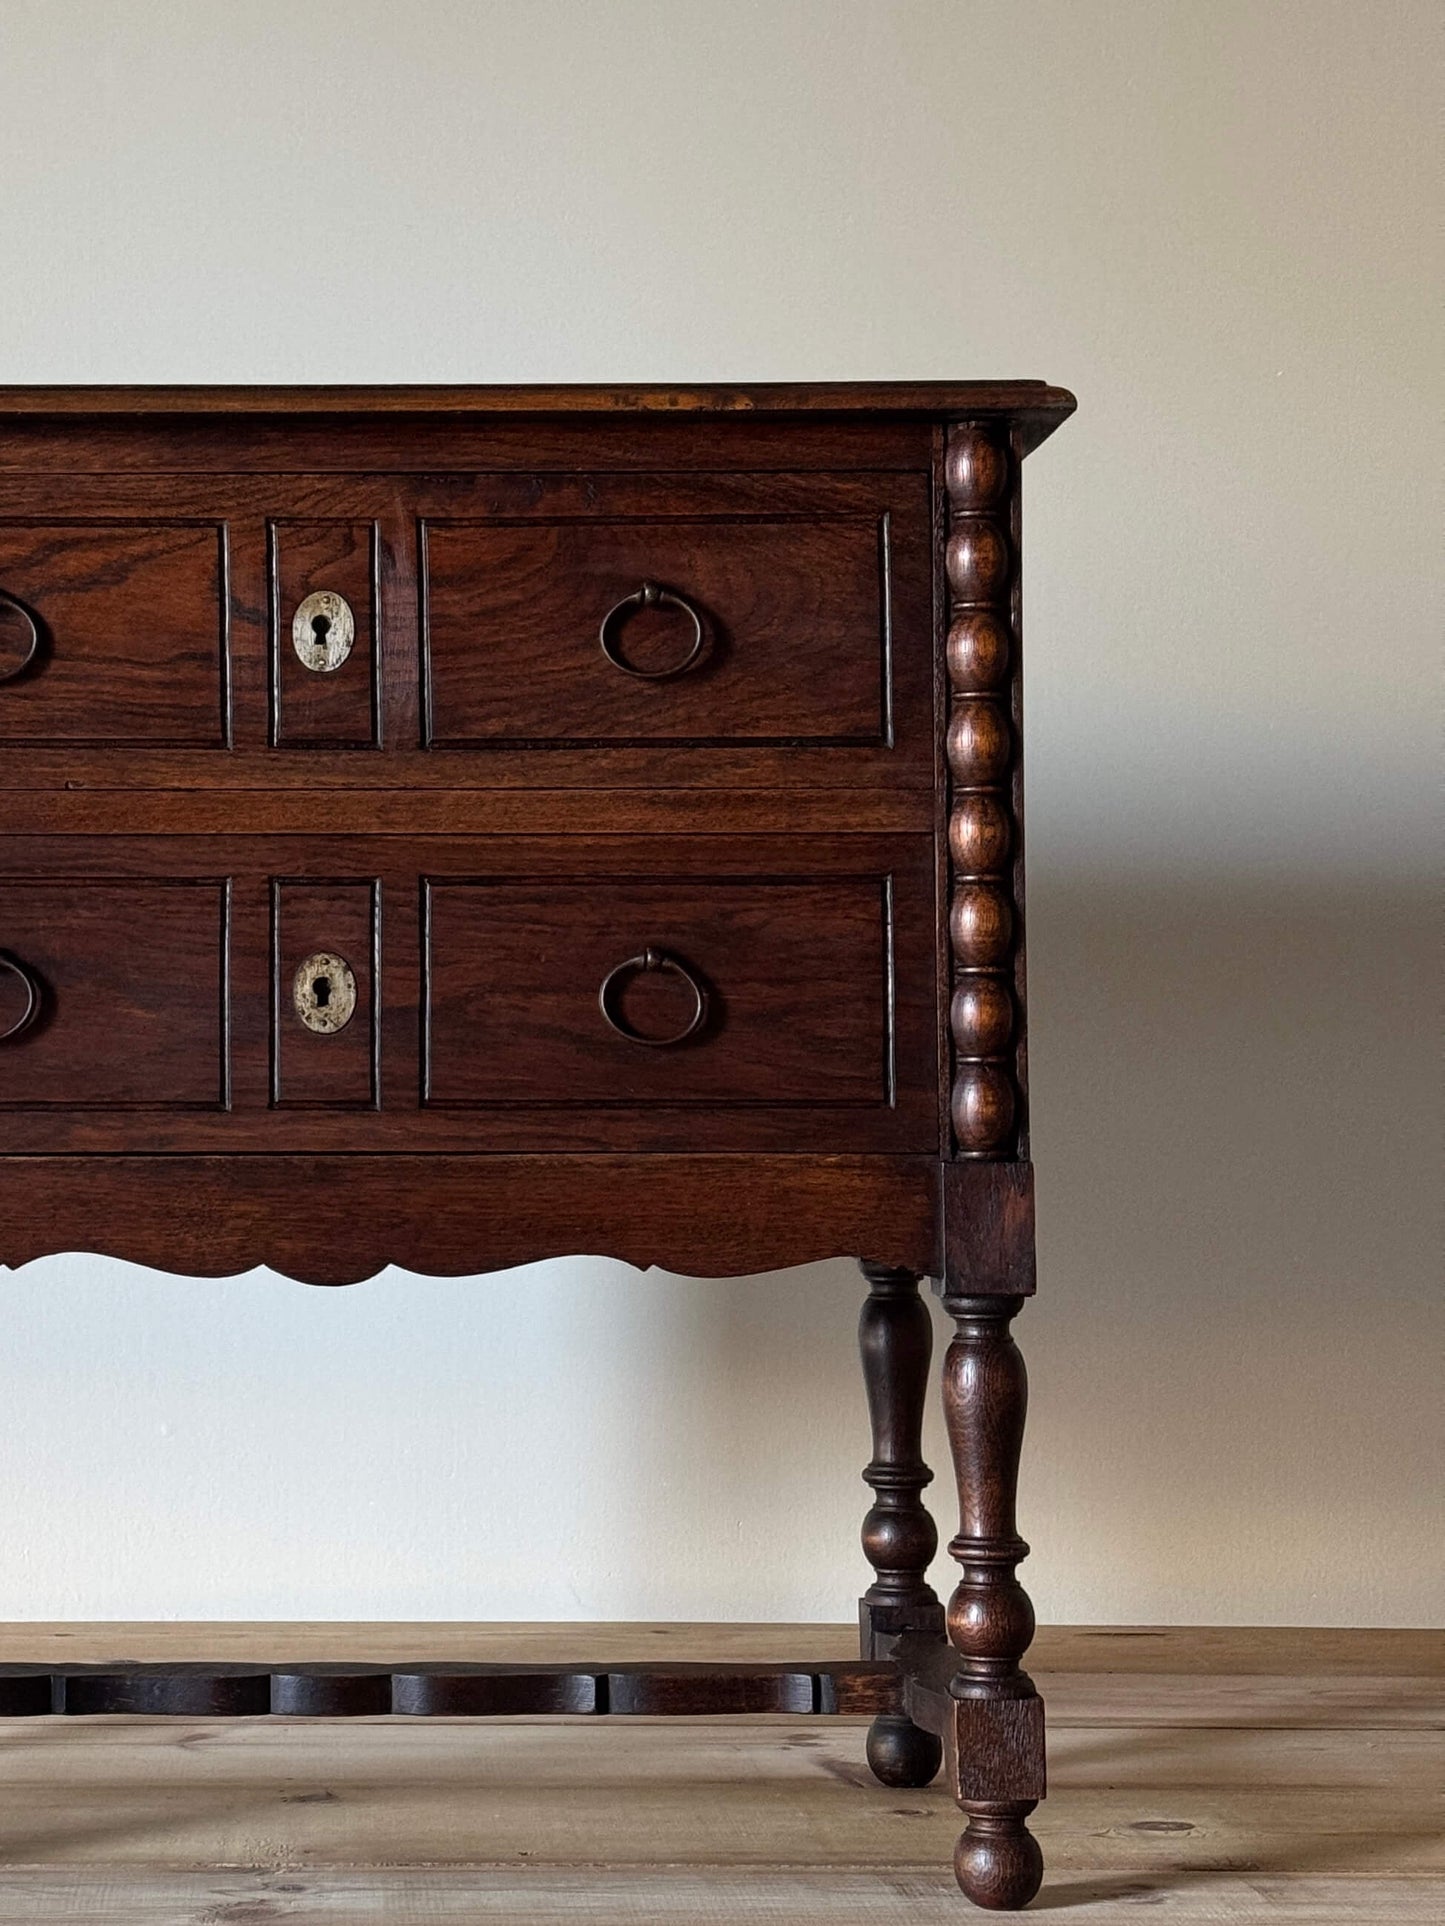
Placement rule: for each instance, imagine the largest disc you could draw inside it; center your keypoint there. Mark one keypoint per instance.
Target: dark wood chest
(455, 827)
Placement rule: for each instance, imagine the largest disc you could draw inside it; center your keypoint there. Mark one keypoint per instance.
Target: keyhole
(320, 628)
(321, 991)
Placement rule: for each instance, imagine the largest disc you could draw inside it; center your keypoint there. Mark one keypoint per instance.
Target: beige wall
(1214, 221)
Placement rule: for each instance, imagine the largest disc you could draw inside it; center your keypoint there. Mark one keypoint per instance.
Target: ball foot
(998, 1862)
(901, 1753)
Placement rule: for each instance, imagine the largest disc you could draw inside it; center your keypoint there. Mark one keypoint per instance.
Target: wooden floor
(1200, 1776)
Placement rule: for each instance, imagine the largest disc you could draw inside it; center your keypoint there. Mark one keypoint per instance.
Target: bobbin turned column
(895, 1342)
(995, 1730)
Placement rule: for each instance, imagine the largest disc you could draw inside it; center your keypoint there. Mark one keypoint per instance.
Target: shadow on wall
(1236, 1350)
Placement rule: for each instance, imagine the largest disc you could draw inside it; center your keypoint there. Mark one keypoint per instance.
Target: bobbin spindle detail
(982, 836)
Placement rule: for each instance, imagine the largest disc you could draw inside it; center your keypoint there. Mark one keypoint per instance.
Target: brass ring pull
(9, 602)
(649, 596)
(32, 998)
(649, 960)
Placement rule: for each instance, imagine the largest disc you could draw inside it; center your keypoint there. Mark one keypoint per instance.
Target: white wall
(1214, 222)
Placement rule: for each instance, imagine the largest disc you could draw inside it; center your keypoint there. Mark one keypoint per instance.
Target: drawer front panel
(324, 1033)
(126, 983)
(714, 630)
(321, 704)
(776, 992)
(113, 634)
(334, 995)
(550, 630)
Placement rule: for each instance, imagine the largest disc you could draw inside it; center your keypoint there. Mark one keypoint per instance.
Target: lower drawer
(113, 993)
(374, 994)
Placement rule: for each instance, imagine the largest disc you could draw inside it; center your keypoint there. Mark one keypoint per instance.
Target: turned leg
(997, 1740)
(895, 1339)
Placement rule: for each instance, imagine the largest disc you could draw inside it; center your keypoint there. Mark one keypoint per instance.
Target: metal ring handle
(649, 960)
(9, 602)
(32, 998)
(650, 596)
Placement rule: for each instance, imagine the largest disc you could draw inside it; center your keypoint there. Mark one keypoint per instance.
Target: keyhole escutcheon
(322, 631)
(323, 992)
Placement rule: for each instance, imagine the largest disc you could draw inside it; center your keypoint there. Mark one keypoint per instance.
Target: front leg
(895, 1342)
(996, 1741)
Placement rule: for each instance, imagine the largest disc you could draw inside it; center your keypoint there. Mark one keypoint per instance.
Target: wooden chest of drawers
(456, 827)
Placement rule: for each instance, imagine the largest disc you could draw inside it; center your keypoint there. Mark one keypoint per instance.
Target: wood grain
(795, 973)
(133, 628)
(1099, 1652)
(131, 975)
(339, 708)
(1041, 406)
(292, 810)
(450, 1215)
(733, 1792)
(681, 1896)
(132, 1823)
(802, 619)
(311, 1070)
(485, 983)
(478, 602)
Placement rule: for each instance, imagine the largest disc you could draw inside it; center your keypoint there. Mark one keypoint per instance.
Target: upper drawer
(540, 630)
(707, 629)
(113, 633)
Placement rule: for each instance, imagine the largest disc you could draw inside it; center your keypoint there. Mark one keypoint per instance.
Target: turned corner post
(895, 1342)
(995, 1726)
(996, 1748)
(900, 1539)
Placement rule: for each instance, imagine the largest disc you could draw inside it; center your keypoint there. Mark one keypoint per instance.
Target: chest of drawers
(456, 827)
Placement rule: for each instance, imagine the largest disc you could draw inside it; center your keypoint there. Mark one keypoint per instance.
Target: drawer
(537, 630)
(113, 994)
(367, 994)
(114, 633)
(732, 611)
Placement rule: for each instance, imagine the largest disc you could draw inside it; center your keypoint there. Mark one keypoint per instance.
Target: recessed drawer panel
(680, 991)
(324, 1036)
(112, 994)
(113, 634)
(725, 630)
(324, 658)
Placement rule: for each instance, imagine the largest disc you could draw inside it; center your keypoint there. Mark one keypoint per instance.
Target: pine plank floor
(1213, 1775)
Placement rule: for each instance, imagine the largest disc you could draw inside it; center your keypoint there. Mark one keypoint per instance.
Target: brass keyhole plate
(324, 993)
(322, 631)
